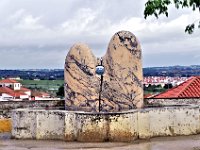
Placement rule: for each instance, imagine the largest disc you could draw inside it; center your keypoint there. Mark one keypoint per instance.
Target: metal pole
(100, 88)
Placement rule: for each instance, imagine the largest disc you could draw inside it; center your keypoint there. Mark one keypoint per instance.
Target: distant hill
(58, 74)
(173, 71)
(30, 74)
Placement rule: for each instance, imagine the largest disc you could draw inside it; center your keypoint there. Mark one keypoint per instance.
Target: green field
(46, 85)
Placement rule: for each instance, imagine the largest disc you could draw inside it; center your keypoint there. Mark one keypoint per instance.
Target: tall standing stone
(80, 79)
(122, 84)
(123, 65)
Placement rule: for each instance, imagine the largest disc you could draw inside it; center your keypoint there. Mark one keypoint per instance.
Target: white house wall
(17, 86)
(28, 93)
(24, 96)
(4, 95)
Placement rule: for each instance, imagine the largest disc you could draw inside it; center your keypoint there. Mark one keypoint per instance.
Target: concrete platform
(165, 143)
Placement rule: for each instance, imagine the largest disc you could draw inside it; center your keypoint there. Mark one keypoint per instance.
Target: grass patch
(49, 85)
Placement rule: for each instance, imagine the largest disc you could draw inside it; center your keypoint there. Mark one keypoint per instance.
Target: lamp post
(100, 71)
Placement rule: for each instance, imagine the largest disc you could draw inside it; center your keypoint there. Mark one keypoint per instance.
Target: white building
(13, 90)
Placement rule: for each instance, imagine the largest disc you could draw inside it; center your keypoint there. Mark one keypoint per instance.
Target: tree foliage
(60, 92)
(158, 7)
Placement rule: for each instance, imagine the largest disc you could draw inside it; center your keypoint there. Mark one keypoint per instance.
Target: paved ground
(166, 143)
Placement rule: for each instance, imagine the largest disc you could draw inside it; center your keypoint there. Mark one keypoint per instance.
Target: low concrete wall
(99, 127)
(172, 101)
(5, 125)
(7, 106)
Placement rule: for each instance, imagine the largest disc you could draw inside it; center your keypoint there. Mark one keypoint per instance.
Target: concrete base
(98, 127)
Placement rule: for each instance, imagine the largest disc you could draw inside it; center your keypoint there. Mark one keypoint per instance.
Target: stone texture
(90, 126)
(81, 83)
(123, 78)
(53, 127)
(172, 101)
(24, 124)
(122, 84)
(6, 107)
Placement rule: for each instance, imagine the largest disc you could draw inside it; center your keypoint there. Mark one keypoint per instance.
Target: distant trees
(60, 92)
(42, 74)
(157, 88)
(153, 89)
(168, 86)
(173, 71)
(158, 7)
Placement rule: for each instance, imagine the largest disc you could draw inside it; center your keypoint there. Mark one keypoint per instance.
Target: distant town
(173, 71)
(41, 84)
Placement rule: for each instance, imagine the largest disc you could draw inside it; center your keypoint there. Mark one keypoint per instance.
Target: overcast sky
(39, 33)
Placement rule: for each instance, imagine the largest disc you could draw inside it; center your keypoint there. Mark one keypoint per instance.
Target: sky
(37, 34)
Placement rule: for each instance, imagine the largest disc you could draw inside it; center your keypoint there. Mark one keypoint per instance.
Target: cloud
(37, 28)
(29, 23)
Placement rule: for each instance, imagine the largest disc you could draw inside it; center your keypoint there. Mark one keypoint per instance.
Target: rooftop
(188, 89)
(39, 93)
(11, 92)
(8, 81)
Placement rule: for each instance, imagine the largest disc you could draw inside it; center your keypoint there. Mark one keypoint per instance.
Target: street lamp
(100, 71)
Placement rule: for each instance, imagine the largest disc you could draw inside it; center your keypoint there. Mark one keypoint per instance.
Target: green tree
(158, 7)
(60, 92)
(168, 86)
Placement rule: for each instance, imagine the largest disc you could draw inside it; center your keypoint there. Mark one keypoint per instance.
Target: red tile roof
(11, 92)
(148, 95)
(39, 94)
(188, 89)
(24, 89)
(8, 81)
(5, 90)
